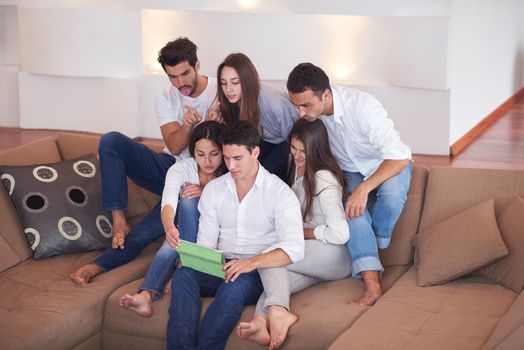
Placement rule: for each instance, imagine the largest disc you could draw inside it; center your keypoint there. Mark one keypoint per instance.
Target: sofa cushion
(511, 324)
(458, 315)
(323, 309)
(41, 151)
(508, 271)
(60, 205)
(459, 245)
(400, 251)
(41, 308)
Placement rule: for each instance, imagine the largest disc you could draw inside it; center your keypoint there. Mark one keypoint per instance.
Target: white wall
(9, 66)
(438, 66)
(485, 59)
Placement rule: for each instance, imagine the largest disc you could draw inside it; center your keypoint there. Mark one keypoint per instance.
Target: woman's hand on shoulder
(191, 190)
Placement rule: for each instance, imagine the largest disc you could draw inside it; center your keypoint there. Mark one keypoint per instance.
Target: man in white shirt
(190, 97)
(375, 162)
(255, 219)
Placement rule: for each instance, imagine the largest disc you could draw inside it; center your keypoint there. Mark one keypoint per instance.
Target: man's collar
(338, 107)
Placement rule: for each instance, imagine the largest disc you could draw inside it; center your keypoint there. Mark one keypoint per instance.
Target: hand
(215, 114)
(309, 233)
(191, 190)
(235, 268)
(173, 237)
(356, 203)
(191, 116)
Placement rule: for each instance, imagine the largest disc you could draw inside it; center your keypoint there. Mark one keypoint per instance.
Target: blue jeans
(188, 286)
(166, 259)
(274, 157)
(373, 229)
(122, 157)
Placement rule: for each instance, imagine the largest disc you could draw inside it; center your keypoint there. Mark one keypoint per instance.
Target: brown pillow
(459, 245)
(508, 271)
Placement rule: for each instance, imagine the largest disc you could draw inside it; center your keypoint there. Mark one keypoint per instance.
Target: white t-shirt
(168, 106)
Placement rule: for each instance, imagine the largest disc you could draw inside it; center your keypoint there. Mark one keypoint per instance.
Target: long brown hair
(314, 136)
(248, 108)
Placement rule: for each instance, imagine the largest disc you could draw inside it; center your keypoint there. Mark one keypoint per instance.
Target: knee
(188, 204)
(109, 140)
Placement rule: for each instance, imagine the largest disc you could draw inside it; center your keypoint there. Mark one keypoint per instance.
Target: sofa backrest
(73, 146)
(452, 190)
(400, 251)
(13, 246)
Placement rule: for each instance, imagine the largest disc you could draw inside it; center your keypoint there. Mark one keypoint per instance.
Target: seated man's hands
(235, 268)
(356, 203)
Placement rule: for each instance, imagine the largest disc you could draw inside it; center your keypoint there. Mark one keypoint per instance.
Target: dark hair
(308, 76)
(177, 51)
(209, 130)
(248, 108)
(314, 136)
(242, 133)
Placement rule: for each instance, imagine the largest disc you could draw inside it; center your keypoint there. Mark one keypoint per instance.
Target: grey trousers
(322, 262)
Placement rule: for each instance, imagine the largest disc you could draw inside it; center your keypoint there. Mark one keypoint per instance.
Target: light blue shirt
(277, 113)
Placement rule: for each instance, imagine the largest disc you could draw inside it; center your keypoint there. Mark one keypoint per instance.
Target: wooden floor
(500, 147)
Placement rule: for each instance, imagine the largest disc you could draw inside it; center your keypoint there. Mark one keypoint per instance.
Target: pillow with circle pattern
(60, 205)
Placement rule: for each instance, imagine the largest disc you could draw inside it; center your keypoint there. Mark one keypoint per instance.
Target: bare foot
(83, 275)
(256, 330)
(280, 321)
(141, 303)
(373, 290)
(120, 229)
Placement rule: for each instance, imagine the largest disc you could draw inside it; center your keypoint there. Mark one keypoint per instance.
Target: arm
(176, 137)
(168, 221)
(273, 258)
(356, 203)
(335, 229)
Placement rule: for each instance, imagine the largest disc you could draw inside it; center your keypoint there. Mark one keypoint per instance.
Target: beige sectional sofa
(40, 307)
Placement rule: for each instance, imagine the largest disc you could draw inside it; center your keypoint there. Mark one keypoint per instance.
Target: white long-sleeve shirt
(184, 170)
(267, 218)
(327, 218)
(361, 135)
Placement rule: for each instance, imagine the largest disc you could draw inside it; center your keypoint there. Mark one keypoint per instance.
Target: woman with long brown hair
(317, 180)
(243, 97)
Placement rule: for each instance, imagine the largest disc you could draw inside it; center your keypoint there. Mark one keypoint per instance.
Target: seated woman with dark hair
(184, 183)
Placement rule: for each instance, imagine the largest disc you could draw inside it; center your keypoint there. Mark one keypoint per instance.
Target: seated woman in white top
(184, 183)
(317, 180)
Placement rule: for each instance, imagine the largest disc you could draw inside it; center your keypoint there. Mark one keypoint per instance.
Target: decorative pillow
(459, 245)
(60, 205)
(508, 271)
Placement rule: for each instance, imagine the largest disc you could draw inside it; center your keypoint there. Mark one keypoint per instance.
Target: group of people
(293, 188)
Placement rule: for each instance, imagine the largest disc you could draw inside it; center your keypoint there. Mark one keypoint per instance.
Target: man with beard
(178, 110)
